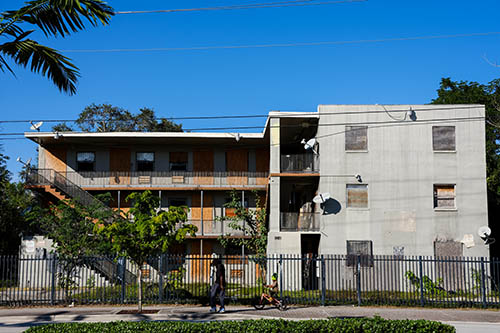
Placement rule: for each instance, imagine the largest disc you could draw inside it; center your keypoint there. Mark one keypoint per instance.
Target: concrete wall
(400, 169)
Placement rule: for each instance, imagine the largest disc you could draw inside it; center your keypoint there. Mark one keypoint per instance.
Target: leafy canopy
(54, 18)
(147, 230)
(109, 118)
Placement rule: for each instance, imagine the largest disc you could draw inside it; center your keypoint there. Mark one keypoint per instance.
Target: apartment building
(197, 170)
(399, 180)
(347, 179)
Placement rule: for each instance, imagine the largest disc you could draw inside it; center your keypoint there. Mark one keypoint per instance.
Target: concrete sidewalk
(18, 319)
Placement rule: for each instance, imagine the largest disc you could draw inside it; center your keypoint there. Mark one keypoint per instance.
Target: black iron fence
(320, 280)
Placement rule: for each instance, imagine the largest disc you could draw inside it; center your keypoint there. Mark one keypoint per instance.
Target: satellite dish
(36, 127)
(18, 159)
(321, 198)
(484, 231)
(309, 144)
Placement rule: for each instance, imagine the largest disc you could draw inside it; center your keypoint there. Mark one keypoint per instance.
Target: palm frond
(42, 59)
(62, 17)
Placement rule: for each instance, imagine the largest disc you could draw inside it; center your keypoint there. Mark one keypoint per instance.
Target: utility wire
(319, 125)
(202, 48)
(283, 115)
(243, 6)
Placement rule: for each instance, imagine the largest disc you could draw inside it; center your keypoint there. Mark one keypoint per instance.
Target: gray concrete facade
(400, 169)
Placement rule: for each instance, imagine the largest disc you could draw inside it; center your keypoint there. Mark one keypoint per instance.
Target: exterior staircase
(60, 187)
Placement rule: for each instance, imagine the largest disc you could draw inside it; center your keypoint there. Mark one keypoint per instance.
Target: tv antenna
(484, 232)
(321, 198)
(27, 163)
(310, 144)
(36, 127)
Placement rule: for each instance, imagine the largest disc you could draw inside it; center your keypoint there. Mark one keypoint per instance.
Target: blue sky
(257, 80)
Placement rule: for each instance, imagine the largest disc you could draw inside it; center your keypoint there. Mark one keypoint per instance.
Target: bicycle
(280, 303)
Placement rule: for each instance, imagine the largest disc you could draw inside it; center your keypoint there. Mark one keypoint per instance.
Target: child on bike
(273, 287)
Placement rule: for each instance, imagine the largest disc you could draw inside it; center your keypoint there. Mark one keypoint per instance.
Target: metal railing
(90, 179)
(310, 279)
(300, 163)
(299, 221)
(216, 228)
(65, 186)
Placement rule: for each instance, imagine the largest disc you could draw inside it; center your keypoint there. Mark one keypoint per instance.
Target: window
(85, 161)
(361, 248)
(177, 202)
(443, 138)
(178, 161)
(145, 161)
(356, 138)
(444, 196)
(357, 195)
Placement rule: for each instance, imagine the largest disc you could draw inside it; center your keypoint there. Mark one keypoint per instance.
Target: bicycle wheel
(283, 304)
(258, 304)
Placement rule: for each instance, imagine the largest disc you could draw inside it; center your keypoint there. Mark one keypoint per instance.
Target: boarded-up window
(362, 249)
(356, 138)
(85, 161)
(178, 161)
(444, 196)
(443, 138)
(357, 195)
(145, 161)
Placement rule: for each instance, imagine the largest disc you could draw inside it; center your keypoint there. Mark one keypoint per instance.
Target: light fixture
(57, 136)
(358, 177)
(411, 114)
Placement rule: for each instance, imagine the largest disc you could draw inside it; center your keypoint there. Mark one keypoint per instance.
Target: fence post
(122, 277)
(358, 279)
(53, 282)
(281, 276)
(323, 281)
(420, 267)
(160, 283)
(483, 283)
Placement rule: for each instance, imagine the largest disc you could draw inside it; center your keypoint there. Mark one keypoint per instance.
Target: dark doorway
(310, 245)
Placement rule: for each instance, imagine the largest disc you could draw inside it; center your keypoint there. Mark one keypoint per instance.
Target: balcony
(300, 163)
(155, 179)
(299, 221)
(215, 228)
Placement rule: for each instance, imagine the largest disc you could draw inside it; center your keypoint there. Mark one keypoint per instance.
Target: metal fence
(319, 280)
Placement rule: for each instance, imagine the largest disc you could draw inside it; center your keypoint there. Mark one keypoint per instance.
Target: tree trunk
(139, 288)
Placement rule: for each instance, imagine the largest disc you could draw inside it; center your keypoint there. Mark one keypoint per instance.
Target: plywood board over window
(443, 138)
(237, 166)
(356, 138)
(361, 248)
(262, 165)
(357, 195)
(119, 165)
(203, 165)
(444, 196)
(208, 209)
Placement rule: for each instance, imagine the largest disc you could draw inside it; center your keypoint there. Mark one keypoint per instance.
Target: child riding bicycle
(272, 288)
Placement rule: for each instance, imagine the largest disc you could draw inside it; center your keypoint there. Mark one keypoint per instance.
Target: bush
(376, 324)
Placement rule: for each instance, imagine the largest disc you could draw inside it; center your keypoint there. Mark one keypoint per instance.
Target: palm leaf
(41, 59)
(62, 17)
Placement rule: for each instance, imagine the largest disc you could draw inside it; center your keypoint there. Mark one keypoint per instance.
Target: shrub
(376, 324)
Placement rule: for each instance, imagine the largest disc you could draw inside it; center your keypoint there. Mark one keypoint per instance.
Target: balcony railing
(300, 221)
(89, 179)
(215, 228)
(300, 163)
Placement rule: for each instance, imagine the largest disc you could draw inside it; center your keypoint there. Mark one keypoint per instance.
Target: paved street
(465, 320)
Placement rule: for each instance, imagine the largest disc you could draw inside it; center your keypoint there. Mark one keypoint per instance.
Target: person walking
(218, 286)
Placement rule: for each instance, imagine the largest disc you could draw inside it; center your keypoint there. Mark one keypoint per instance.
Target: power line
(296, 3)
(283, 115)
(205, 48)
(319, 125)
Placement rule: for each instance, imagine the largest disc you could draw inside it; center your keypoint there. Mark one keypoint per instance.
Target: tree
(465, 92)
(251, 223)
(15, 201)
(147, 231)
(109, 118)
(70, 225)
(54, 18)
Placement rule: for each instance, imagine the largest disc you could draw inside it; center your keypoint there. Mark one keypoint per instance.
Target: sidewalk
(18, 319)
